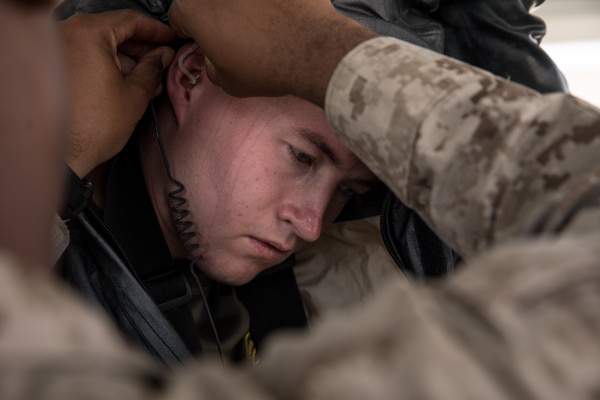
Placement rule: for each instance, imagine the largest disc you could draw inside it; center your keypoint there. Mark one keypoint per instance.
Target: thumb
(144, 80)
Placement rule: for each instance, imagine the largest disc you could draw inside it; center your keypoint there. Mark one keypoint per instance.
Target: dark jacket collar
(129, 215)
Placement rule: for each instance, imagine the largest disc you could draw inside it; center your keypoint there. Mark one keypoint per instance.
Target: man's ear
(185, 72)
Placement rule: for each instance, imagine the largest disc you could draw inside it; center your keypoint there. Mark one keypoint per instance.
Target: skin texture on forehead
(262, 176)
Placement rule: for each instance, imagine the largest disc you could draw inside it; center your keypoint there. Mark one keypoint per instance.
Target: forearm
(245, 60)
(481, 159)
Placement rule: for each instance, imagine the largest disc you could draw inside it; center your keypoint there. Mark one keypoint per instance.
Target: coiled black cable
(184, 228)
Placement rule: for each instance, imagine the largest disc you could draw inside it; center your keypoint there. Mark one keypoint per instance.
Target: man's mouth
(270, 250)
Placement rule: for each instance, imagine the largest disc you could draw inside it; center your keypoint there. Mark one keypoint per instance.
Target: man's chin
(232, 275)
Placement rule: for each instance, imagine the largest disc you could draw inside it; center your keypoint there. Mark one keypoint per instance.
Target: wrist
(341, 36)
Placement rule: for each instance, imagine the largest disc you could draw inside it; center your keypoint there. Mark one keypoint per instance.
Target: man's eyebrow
(318, 140)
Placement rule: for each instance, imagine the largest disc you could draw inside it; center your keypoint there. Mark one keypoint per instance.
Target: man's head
(262, 175)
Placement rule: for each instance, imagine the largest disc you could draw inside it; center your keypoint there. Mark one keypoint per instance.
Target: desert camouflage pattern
(481, 160)
(510, 178)
(519, 321)
(344, 268)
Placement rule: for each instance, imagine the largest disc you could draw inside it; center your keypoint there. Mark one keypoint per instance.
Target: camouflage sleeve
(481, 159)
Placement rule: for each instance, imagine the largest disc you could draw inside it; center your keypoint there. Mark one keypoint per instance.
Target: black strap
(130, 216)
(95, 267)
(172, 292)
(77, 195)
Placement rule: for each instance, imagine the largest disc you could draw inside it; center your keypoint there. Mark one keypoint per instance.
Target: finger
(145, 79)
(127, 64)
(130, 25)
(136, 49)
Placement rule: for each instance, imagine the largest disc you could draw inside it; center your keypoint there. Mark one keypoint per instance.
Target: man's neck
(154, 171)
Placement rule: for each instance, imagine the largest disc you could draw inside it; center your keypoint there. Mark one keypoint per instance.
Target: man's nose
(305, 212)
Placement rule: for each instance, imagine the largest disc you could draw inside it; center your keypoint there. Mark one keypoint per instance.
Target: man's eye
(302, 157)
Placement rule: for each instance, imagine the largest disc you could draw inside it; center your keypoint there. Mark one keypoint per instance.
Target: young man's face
(262, 176)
